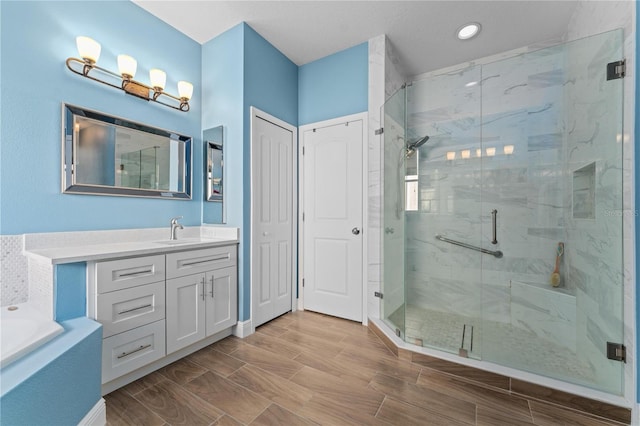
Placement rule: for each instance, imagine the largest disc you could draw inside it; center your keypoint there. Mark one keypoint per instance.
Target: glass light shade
(88, 48)
(465, 153)
(127, 65)
(185, 90)
(478, 153)
(158, 78)
(451, 155)
(508, 149)
(491, 152)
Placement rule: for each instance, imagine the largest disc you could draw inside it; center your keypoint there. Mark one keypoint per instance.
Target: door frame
(362, 116)
(256, 114)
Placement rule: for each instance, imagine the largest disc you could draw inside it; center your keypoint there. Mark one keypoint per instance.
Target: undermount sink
(180, 241)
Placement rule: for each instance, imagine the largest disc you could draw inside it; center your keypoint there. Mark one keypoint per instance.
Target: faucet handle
(174, 220)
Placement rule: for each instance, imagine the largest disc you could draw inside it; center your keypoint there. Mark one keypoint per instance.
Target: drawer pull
(213, 259)
(132, 274)
(135, 309)
(202, 288)
(212, 286)
(141, 348)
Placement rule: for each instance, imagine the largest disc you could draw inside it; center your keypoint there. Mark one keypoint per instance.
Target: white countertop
(115, 250)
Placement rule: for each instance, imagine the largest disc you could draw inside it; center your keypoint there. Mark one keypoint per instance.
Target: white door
(272, 212)
(333, 220)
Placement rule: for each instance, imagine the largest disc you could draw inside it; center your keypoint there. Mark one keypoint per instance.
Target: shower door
(552, 135)
(392, 305)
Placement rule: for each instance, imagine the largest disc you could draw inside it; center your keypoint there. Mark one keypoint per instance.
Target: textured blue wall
(222, 97)
(70, 291)
(58, 383)
(334, 86)
(37, 37)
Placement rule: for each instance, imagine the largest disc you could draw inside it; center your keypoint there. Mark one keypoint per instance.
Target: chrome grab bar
(497, 253)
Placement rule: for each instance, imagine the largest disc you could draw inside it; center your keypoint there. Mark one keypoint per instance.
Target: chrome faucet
(174, 227)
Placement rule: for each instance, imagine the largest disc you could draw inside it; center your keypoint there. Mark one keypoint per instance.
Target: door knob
(355, 231)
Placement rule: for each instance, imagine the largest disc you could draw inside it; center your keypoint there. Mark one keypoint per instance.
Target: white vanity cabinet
(158, 308)
(201, 295)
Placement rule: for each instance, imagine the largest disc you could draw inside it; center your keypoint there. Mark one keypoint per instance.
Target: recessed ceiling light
(468, 31)
(471, 84)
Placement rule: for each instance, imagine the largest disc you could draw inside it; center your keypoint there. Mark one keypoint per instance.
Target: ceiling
(422, 32)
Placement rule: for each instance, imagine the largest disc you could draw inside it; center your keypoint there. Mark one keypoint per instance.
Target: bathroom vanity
(157, 301)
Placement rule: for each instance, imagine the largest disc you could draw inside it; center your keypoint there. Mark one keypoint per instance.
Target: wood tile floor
(305, 368)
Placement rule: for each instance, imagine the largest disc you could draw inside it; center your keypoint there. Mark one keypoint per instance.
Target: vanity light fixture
(89, 51)
(469, 31)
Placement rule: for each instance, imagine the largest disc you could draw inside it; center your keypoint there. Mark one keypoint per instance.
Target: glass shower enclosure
(502, 232)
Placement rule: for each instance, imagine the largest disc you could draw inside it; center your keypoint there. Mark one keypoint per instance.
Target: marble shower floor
(493, 341)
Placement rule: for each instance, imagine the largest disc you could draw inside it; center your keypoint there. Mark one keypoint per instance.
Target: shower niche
(533, 137)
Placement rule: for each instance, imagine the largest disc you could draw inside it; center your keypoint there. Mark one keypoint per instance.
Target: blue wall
(334, 86)
(37, 37)
(58, 383)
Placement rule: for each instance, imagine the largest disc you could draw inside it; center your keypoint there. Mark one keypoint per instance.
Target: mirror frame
(214, 141)
(69, 181)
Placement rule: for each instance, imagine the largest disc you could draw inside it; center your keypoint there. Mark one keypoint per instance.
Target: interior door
(332, 209)
(272, 192)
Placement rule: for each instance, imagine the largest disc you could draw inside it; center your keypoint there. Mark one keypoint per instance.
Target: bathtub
(23, 329)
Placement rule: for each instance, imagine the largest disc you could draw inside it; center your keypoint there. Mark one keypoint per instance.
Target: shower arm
(498, 254)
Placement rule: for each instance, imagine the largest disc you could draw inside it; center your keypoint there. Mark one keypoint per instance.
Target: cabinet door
(185, 311)
(221, 299)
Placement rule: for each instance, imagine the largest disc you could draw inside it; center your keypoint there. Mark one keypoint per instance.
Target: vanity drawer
(123, 310)
(197, 261)
(125, 273)
(128, 351)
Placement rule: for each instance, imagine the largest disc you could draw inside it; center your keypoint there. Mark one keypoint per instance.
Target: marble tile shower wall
(520, 104)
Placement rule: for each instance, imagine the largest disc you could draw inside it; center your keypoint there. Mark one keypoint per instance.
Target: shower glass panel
(444, 291)
(556, 182)
(394, 165)
(522, 171)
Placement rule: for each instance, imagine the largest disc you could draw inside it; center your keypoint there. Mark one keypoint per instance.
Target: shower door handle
(494, 219)
(355, 231)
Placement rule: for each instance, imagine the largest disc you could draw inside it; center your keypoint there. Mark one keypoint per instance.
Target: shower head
(413, 146)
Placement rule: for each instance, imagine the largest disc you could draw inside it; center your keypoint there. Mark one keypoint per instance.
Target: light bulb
(127, 66)
(185, 90)
(158, 78)
(88, 48)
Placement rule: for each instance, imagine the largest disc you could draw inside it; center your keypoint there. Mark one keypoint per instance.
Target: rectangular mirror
(213, 139)
(106, 155)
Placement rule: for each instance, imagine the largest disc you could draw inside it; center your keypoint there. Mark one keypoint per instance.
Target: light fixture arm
(128, 85)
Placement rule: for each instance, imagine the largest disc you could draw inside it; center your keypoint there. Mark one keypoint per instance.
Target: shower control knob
(355, 231)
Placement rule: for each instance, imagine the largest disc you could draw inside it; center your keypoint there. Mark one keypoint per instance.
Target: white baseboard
(242, 329)
(97, 416)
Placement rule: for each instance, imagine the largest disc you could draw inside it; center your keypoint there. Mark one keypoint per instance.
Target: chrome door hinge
(303, 282)
(616, 69)
(303, 216)
(379, 131)
(303, 150)
(378, 294)
(616, 352)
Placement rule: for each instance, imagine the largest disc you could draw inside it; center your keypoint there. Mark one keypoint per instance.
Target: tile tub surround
(14, 283)
(502, 383)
